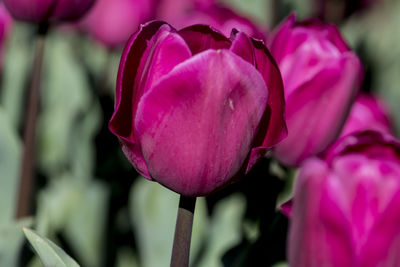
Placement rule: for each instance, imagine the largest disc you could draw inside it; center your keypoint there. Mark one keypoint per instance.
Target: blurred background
(87, 196)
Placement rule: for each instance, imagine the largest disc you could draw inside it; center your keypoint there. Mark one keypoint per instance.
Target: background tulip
(321, 76)
(195, 109)
(42, 10)
(113, 21)
(346, 210)
(368, 113)
(215, 15)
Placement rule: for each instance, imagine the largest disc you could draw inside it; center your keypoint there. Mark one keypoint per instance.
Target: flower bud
(218, 16)
(346, 210)
(321, 76)
(44, 10)
(112, 21)
(195, 110)
(368, 113)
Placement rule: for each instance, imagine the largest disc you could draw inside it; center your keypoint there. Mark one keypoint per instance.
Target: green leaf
(77, 208)
(153, 210)
(50, 254)
(281, 264)
(225, 229)
(10, 153)
(18, 61)
(66, 98)
(11, 241)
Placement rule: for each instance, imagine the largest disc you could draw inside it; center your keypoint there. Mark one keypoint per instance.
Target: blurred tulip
(113, 21)
(194, 109)
(368, 113)
(321, 76)
(42, 10)
(5, 26)
(347, 208)
(217, 16)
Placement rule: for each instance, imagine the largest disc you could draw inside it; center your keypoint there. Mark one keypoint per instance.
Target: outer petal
(372, 144)
(202, 37)
(291, 34)
(310, 134)
(382, 248)
(29, 10)
(320, 232)
(113, 21)
(151, 53)
(70, 9)
(273, 126)
(368, 113)
(281, 37)
(197, 125)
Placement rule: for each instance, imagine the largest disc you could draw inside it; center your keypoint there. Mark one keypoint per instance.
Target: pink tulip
(5, 27)
(112, 21)
(321, 76)
(347, 207)
(217, 16)
(195, 110)
(42, 10)
(368, 113)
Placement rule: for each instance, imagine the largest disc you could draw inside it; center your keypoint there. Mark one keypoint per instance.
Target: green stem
(183, 232)
(27, 165)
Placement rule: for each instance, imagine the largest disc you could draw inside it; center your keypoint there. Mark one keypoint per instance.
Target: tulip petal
(202, 37)
(70, 10)
(374, 145)
(330, 94)
(196, 126)
(29, 10)
(268, 68)
(151, 53)
(319, 232)
(273, 126)
(383, 246)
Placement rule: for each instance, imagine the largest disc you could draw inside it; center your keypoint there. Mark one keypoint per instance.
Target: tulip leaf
(225, 229)
(251, 8)
(10, 153)
(77, 208)
(49, 253)
(18, 60)
(66, 99)
(281, 264)
(153, 210)
(11, 241)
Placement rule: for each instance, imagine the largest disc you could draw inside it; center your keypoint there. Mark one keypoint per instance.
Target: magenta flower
(321, 76)
(195, 110)
(368, 113)
(347, 207)
(217, 16)
(112, 21)
(43, 10)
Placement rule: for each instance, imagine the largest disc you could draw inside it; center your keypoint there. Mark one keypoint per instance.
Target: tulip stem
(183, 232)
(27, 164)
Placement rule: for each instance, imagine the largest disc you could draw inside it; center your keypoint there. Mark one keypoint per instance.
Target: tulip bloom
(217, 16)
(321, 76)
(368, 113)
(43, 10)
(112, 21)
(347, 207)
(194, 110)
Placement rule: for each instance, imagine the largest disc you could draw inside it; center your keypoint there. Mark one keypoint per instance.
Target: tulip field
(201, 133)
